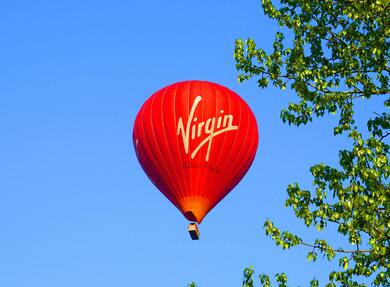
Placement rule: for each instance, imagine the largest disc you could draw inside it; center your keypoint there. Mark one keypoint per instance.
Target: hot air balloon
(195, 141)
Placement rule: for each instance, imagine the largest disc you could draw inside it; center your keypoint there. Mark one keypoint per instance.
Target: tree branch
(384, 136)
(336, 250)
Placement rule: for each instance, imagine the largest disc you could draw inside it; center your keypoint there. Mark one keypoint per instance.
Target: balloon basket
(193, 231)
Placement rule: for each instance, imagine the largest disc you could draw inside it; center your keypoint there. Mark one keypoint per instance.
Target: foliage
(339, 55)
(281, 279)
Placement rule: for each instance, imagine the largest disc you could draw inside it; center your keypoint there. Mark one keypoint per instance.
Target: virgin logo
(209, 129)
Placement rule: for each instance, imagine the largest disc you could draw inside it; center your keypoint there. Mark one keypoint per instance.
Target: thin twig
(336, 250)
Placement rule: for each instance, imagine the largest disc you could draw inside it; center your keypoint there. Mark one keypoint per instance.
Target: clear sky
(76, 208)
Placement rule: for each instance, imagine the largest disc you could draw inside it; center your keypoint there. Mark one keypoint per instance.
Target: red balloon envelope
(195, 140)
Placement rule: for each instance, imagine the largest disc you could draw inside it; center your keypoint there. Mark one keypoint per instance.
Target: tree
(339, 55)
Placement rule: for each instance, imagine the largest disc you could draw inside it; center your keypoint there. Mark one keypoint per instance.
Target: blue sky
(75, 206)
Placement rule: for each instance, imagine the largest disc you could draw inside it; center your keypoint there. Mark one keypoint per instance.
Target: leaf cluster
(338, 55)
